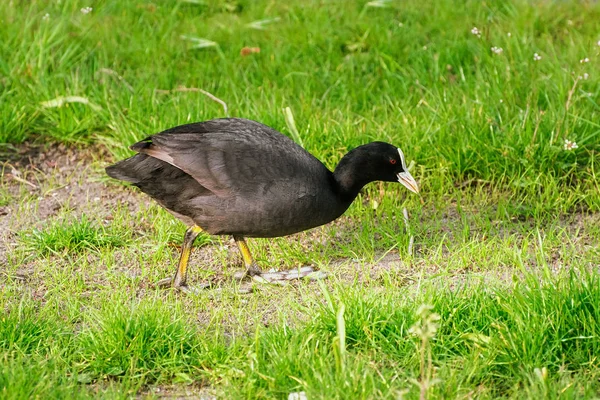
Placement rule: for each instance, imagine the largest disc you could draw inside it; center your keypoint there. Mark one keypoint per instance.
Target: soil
(59, 178)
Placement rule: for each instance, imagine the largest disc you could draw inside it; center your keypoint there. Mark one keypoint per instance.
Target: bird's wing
(231, 156)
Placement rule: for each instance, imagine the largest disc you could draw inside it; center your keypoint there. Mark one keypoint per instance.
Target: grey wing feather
(243, 161)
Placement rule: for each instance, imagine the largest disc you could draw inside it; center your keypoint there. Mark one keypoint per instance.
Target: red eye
(392, 161)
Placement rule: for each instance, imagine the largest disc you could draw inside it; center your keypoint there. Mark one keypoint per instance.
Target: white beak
(407, 180)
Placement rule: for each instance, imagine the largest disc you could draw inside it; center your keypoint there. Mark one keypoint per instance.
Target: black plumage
(240, 177)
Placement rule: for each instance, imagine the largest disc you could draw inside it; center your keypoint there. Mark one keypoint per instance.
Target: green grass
(485, 343)
(77, 236)
(410, 73)
(505, 233)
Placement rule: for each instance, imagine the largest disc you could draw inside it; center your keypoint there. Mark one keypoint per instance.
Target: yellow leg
(251, 267)
(190, 236)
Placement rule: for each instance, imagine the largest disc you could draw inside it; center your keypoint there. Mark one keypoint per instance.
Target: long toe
(193, 289)
(251, 271)
(296, 273)
(164, 283)
(240, 275)
(168, 283)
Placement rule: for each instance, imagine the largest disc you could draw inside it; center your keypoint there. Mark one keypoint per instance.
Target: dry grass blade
(197, 90)
(411, 241)
(379, 3)
(114, 74)
(261, 24)
(291, 124)
(60, 101)
(199, 43)
(15, 174)
(341, 335)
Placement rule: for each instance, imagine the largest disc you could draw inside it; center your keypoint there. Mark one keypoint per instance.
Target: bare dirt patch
(59, 176)
(38, 182)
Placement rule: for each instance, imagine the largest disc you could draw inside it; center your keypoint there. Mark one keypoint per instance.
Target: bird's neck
(350, 177)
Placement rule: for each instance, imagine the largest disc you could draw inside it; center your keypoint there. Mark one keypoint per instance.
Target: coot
(238, 177)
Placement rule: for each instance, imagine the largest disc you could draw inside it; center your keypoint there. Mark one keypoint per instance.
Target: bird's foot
(250, 271)
(184, 288)
(283, 277)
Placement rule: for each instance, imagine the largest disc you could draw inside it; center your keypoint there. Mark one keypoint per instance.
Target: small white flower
(46, 17)
(86, 10)
(509, 34)
(584, 60)
(598, 43)
(497, 50)
(536, 57)
(297, 396)
(476, 31)
(570, 145)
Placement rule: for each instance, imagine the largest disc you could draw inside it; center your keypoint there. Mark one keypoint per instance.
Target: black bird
(238, 177)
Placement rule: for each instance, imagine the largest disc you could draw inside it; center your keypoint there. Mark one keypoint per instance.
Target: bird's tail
(134, 169)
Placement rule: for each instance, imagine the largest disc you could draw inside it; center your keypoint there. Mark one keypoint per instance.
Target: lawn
(490, 289)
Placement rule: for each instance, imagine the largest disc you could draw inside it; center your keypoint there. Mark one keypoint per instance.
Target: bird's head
(376, 161)
(392, 166)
